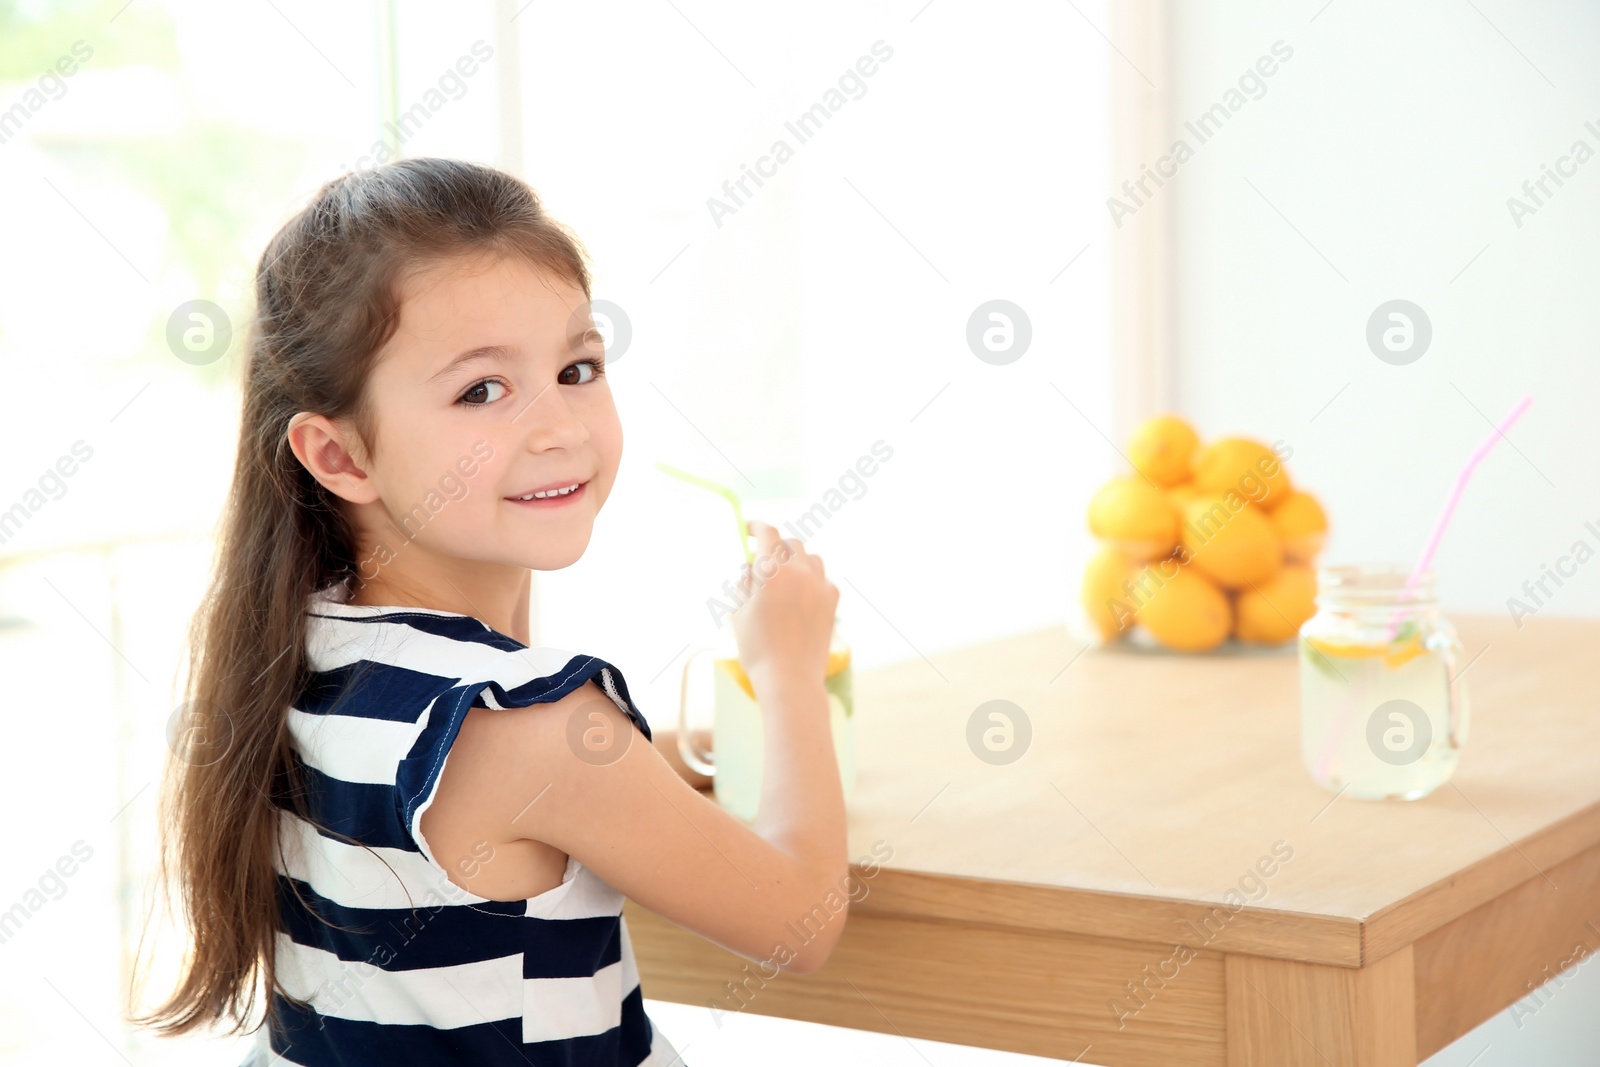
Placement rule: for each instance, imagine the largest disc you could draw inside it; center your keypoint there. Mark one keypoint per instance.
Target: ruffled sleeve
(510, 678)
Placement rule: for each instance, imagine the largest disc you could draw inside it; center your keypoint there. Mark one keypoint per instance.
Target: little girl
(405, 830)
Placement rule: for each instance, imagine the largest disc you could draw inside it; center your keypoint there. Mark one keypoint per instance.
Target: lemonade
(736, 755)
(736, 734)
(1380, 711)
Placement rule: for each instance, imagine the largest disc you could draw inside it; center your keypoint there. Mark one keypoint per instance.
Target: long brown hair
(327, 298)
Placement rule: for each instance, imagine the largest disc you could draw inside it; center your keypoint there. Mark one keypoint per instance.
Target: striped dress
(425, 972)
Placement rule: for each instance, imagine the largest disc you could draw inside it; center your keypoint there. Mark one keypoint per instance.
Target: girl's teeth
(546, 496)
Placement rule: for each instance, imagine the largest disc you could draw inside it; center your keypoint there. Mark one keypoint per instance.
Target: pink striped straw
(1325, 756)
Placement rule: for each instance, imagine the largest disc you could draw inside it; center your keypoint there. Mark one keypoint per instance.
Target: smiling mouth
(546, 498)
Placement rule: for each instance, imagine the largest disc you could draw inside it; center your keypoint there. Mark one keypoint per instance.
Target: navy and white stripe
(401, 965)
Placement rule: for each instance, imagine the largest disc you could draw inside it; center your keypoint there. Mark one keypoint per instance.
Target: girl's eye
(597, 367)
(478, 394)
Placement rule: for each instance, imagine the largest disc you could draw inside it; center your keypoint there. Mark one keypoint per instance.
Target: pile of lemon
(1201, 543)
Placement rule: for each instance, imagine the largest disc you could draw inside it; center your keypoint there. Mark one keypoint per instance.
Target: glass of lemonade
(734, 762)
(1382, 712)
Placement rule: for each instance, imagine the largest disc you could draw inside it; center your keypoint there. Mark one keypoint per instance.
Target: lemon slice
(1403, 652)
(1394, 654)
(733, 667)
(1344, 649)
(838, 661)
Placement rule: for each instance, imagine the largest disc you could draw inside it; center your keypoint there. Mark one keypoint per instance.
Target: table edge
(1309, 937)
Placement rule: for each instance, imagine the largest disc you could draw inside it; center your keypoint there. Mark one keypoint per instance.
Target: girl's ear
(329, 451)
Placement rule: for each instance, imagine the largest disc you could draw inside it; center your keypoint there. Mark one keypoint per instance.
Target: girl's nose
(549, 421)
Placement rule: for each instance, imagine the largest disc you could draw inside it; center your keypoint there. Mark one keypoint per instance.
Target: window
(800, 291)
(792, 310)
(148, 177)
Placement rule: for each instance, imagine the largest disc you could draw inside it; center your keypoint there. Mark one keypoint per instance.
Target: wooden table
(1038, 906)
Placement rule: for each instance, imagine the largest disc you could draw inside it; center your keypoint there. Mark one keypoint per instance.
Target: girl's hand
(516, 775)
(784, 627)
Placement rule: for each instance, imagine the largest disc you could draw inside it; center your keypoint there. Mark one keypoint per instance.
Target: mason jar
(735, 760)
(1383, 713)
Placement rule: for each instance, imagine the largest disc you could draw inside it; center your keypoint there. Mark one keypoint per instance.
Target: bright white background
(827, 313)
(1391, 142)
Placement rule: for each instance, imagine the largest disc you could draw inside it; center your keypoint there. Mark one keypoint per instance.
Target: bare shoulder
(576, 775)
(511, 748)
(482, 792)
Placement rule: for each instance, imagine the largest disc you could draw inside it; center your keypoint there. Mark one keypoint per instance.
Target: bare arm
(775, 891)
(666, 742)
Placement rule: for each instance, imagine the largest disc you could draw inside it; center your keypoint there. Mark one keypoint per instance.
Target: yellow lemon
(1161, 449)
(1105, 601)
(1136, 515)
(1301, 524)
(1273, 611)
(1229, 540)
(1182, 493)
(1247, 467)
(1184, 610)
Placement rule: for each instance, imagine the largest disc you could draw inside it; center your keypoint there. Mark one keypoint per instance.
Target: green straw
(725, 493)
